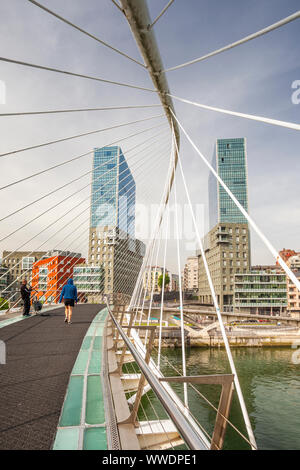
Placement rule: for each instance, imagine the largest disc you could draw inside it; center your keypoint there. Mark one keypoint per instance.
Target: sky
(254, 78)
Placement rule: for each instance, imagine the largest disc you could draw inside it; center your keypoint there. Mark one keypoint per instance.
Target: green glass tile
(66, 439)
(91, 330)
(71, 415)
(81, 362)
(10, 321)
(94, 401)
(99, 331)
(95, 363)
(86, 342)
(97, 343)
(95, 439)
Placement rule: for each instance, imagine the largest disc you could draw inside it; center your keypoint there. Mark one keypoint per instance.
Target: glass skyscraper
(113, 191)
(230, 162)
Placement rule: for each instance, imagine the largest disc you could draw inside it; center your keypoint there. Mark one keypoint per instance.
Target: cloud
(253, 78)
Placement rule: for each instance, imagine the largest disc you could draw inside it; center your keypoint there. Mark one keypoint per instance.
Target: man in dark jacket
(25, 294)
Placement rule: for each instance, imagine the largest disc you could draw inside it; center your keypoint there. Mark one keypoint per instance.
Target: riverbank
(237, 339)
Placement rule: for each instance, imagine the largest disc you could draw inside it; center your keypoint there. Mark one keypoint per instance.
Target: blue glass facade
(113, 191)
(230, 162)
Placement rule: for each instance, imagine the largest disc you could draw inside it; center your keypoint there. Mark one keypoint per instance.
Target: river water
(271, 385)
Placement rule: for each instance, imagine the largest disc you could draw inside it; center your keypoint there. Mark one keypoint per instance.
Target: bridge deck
(41, 352)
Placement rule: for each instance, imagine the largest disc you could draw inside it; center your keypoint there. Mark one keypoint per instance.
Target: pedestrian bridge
(82, 386)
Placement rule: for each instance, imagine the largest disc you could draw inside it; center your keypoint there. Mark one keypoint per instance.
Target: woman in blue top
(69, 294)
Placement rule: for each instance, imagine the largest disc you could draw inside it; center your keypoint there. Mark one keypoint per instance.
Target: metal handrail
(185, 429)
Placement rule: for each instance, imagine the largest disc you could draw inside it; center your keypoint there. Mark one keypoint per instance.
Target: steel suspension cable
(73, 74)
(117, 5)
(185, 392)
(208, 402)
(124, 241)
(163, 286)
(74, 180)
(50, 225)
(153, 280)
(72, 232)
(61, 217)
(263, 31)
(72, 159)
(79, 110)
(218, 312)
(270, 247)
(66, 198)
(161, 14)
(143, 268)
(253, 117)
(92, 36)
(155, 234)
(78, 135)
(146, 258)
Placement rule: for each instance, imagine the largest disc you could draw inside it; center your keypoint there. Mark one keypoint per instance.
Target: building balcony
(252, 281)
(237, 290)
(260, 304)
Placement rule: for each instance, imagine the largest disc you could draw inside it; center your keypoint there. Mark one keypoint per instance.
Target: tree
(3, 304)
(160, 280)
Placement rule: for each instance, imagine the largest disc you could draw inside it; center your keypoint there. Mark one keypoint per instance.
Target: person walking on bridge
(69, 294)
(26, 294)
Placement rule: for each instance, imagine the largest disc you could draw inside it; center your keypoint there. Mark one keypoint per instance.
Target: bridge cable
(61, 217)
(58, 111)
(65, 162)
(125, 240)
(159, 242)
(83, 233)
(215, 301)
(86, 32)
(54, 191)
(79, 135)
(153, 280)
(163, 286)
(72, 232)
(270, 247)
(208, 402)
(263, 31)
(58, 230)
(66, 198)
(160, 15)
(179, 276)
(74, 74)
(275, 122)
(146, 258)
(154, 238)
(117, 5)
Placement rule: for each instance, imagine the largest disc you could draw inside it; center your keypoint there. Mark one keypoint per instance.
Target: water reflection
(271, 386)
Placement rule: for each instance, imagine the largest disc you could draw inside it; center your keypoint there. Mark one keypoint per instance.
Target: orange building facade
(285, 254)
(49, 275)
